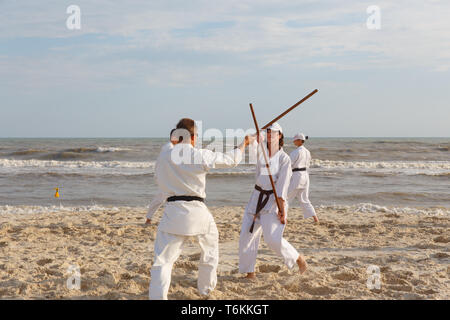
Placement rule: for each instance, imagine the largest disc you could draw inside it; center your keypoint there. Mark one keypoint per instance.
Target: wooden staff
(290, 109)
(268, 170)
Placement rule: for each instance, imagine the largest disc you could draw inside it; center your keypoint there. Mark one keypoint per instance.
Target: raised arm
(229, 159)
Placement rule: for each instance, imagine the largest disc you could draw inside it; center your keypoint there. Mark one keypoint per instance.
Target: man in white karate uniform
(299, 186)
(261, 216)
(181, 174)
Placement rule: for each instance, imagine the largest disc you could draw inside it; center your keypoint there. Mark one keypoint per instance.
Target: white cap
(275, 127)
(299, 136)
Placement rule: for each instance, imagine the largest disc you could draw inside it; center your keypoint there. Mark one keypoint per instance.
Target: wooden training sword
(290, 109)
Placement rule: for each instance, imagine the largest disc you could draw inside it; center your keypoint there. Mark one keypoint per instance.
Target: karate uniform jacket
(181, 171)
(280, 167)
(300, 158)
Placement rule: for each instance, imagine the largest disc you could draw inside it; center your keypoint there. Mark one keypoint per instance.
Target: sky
(136, 67)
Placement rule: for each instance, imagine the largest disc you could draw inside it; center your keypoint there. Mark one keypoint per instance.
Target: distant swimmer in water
(299, 186)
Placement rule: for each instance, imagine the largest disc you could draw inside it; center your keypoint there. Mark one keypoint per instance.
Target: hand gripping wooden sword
(268, 170)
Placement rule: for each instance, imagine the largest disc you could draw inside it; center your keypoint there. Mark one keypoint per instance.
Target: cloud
(135, 37)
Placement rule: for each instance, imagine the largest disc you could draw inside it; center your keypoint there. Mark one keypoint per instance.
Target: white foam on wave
(405, 167)
(330, 164)
(52, 209)
(432, 168)
(374, 208)
(32, 163)
(111, 149)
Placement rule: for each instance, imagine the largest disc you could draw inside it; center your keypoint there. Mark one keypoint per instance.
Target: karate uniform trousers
(301, 193)
(168, 248)
(270, 226)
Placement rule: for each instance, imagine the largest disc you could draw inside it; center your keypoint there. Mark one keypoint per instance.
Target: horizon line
(164, 137)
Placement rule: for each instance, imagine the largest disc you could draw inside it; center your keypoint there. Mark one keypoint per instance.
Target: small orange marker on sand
(57, 193)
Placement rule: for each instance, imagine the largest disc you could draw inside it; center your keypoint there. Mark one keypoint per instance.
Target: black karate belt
(298, 169)
(262, 201)
(185, 198)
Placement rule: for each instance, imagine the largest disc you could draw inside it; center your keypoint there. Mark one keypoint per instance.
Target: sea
(363, 174)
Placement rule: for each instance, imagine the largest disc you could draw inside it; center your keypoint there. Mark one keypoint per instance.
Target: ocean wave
(32, 163)
(70, 152)
(79, 153)
(52, 209)
(320, 167)
(406, 167)
(374, 208)
(82, 174)
(66, 155)
(111, 149)
(101, 149)
(25, 152)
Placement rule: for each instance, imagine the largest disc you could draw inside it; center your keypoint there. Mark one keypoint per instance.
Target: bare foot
(302, 265)
(250, 275)
(316, 220)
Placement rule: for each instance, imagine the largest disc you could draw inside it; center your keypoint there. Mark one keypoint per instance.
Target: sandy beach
(114, 250)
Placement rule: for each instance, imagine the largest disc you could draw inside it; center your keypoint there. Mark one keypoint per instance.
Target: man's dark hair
(187, 124)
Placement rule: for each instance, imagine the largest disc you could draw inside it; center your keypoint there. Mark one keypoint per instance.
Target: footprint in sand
(346, 276)
(55, 273)
(104, 277)
(404, 288)
(15, 230)
(43, 262)
(345, 260)
(126, 276)
(392, 215)
(267, 268)
(441, 255)
(185, 265)
(442, 239)
(395, 279)
(426, 246)
(319, 291)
